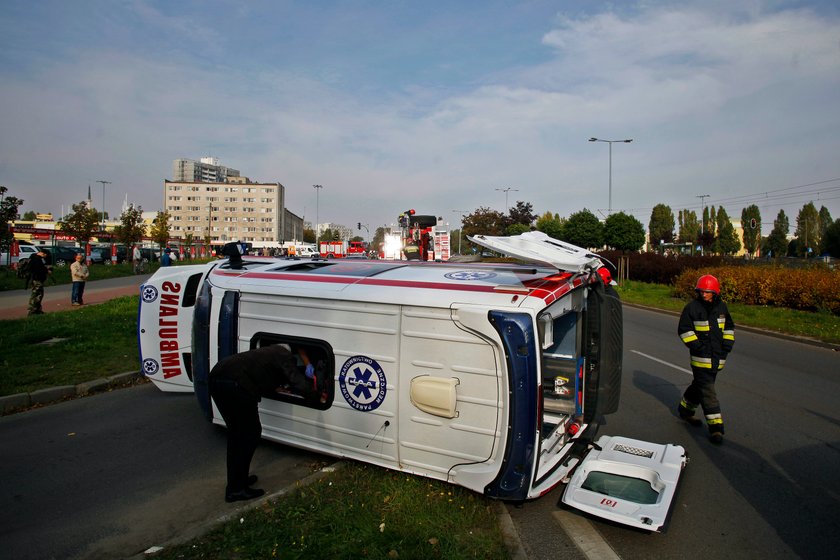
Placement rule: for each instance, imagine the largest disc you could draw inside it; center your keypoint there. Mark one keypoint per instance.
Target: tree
(81, 223)
(30, 215)
(484, 221)
(825, 223)
(8, 213)
(551, 225)
(130, 229)
(623, 232)
(308, 235)
(661, 226)
(689, 228)
(751, 223)
(726, 241)
(777, 242)
(160, 229)
(522, 213)
(808, 230)
(832, 239)
(584, 230)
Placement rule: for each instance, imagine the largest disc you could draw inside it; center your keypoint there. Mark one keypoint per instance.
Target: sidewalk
(14, 303)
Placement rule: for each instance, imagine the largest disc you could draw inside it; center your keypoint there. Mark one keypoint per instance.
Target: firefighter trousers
(702, 392)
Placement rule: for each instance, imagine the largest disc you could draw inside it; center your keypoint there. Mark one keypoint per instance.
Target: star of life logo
(470, 275)
(148, 293)
(362, 383)
(150, 366)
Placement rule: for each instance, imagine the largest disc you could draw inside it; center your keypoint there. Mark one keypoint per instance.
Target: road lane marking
(663, 362)
(588, 540)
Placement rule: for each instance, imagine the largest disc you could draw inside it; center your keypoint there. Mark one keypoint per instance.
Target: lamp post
(317, 218)
(610, 142)
(461, 229)
(506, 190)
(702, 198)
(103, 202)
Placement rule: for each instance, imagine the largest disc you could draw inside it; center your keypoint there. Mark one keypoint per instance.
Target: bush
(659, 269)
(813, 289)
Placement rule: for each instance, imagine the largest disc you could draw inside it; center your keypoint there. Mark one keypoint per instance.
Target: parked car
(26, 251)
(61, 255)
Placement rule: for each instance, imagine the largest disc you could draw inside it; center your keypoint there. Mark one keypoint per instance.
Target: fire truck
(341, 249)
(421, 239)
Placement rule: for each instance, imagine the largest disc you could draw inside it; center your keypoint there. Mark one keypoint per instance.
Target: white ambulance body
(490, 376)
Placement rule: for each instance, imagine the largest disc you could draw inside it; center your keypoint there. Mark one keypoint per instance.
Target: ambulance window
(308, 372)
(614, 485)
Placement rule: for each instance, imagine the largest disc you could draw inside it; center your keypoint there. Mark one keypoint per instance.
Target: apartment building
(207, 170)
(249, 212)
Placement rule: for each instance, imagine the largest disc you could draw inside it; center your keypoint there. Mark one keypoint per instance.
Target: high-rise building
(207, 170)
(227, 208)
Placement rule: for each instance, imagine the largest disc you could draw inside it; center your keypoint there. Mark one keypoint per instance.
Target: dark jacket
(262, 370)
(707, 329)
(38, 270)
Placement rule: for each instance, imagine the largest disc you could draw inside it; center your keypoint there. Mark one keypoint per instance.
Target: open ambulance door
(627, 481)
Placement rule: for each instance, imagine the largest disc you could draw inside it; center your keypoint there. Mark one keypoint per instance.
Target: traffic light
(358, 225)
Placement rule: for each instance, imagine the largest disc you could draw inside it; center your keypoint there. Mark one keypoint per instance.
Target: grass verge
(69, 347)
(359, 511)
(820, 325)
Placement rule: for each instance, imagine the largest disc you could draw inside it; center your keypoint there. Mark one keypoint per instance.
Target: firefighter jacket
(708, 332)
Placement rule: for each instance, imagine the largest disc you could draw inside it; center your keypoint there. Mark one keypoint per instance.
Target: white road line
(663, 362)
(585, 536)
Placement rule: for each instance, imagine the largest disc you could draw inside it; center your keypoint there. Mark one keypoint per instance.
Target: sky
(443, 107)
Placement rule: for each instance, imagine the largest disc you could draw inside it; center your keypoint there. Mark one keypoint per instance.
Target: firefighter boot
(715, 424)
(686, 412)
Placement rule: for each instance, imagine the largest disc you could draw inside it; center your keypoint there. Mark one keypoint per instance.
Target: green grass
(359, 511)
(69, 347)
(822, 326)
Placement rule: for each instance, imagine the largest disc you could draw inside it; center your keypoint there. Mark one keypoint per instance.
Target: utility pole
(103, 202)
(461, 229)
(317, 218)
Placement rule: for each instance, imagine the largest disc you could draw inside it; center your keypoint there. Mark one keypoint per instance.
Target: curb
(20, 401)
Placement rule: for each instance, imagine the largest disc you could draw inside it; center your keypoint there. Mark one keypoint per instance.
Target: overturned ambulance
(486, 375)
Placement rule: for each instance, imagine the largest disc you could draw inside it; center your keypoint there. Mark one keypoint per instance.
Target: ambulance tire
(604, 339)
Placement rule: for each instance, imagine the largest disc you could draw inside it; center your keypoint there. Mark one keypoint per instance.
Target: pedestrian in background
(38, 271)
(708, 331)
(166, 258)
(79, 274)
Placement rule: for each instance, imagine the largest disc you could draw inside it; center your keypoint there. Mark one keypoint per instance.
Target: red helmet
(708, 283)
(606, 277)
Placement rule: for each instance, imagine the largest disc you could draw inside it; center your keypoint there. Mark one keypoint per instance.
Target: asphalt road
(772, 490)
(113, 474)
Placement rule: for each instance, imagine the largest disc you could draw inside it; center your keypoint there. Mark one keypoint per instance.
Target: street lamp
(317, 208)
(461, 229)
(702, 198)
(610, 142)
(506, 190)
(103, 202)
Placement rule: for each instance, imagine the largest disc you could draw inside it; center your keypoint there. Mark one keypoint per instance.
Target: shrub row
(660, 269)
(813, 289)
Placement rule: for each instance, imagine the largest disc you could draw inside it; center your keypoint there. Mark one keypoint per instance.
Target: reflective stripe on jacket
(708, 331)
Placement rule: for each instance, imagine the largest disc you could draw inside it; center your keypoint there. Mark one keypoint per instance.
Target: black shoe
(688, 417)
(252, 479)
(716, 438)
(242, 495)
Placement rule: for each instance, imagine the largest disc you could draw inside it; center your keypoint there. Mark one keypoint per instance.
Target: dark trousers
(239, 411)
(702, 391)
(77, 292)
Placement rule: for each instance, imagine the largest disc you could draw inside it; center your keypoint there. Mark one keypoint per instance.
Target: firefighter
(706, 328)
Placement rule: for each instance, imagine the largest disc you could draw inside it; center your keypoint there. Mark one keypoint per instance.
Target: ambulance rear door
(627, 481)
